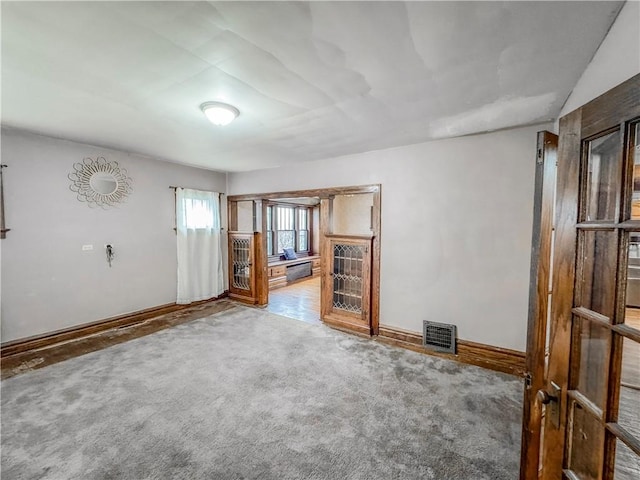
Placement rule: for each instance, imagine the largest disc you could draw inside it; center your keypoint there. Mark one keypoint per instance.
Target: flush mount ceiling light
(219, 113)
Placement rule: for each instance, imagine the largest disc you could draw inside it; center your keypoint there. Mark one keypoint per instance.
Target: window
(303, 229)
(197, 210)
(287, 227)
(269, 230)
(198, 213)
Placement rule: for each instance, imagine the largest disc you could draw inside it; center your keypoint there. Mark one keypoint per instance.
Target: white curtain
(200, 274)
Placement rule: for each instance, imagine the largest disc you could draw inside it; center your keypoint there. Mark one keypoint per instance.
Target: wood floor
(631, 356)
(630, 391)
(300, 301)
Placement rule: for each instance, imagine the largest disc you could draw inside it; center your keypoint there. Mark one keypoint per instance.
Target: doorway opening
(300, 301)
(293, 257)
(313, 255)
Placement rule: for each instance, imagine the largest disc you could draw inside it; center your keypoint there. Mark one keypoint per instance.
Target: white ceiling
(312, 80)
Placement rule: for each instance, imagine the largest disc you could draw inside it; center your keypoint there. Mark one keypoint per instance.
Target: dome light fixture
(218, 113)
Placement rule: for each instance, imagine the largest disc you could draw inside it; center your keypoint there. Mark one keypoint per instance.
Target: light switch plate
(87, 247)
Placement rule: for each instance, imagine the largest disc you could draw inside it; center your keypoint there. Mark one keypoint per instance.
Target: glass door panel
(604, 169)
(627, 463)
(635, 153)
(592, 355)
(632, 317)
(597, 275)
(241, 259)
(586, 443)
(629, 406)
(347, 285)
(633, 281)
(241, 266)
(595, 298)
(347, 277)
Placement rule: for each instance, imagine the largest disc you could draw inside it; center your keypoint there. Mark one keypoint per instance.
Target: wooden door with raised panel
(591, 427)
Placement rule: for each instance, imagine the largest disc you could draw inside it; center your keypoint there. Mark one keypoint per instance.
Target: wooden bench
(277, 271)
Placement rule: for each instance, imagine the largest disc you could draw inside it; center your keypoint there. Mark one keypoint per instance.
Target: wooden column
(375, 262)
(326, 227)
(260, 258)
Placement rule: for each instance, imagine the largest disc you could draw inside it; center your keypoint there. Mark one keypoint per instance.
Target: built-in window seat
(284, 272)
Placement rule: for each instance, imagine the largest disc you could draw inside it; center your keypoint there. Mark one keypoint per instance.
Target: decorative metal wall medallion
(100, 182)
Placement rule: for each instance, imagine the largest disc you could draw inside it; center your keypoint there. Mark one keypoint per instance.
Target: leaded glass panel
(347, 277)
(241, 263)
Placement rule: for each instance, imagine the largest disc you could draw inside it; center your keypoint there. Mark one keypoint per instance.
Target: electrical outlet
(86, 248)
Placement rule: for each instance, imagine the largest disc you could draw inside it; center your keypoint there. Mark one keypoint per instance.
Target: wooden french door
(591, 393)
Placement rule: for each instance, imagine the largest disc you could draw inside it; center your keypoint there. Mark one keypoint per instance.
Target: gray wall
(48, 281)
(351, 214)
(245, 216)
(456, 228)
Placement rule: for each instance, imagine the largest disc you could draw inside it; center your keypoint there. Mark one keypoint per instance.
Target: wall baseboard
(486, 356)
(36, 342)
(352, 328)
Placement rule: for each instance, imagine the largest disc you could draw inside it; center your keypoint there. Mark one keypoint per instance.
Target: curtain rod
(173, 187)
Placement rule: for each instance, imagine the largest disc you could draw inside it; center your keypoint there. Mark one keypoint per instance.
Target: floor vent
(439, 337)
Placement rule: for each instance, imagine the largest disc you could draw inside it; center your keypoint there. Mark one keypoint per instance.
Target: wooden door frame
(541, 248)
(325, 195)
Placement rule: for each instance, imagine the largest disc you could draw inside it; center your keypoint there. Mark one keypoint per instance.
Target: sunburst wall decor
(100, 182)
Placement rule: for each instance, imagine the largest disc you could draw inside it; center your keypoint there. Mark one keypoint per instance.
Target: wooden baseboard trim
(36, 342)
(486, 356)
(243, 299)
(353, 328)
